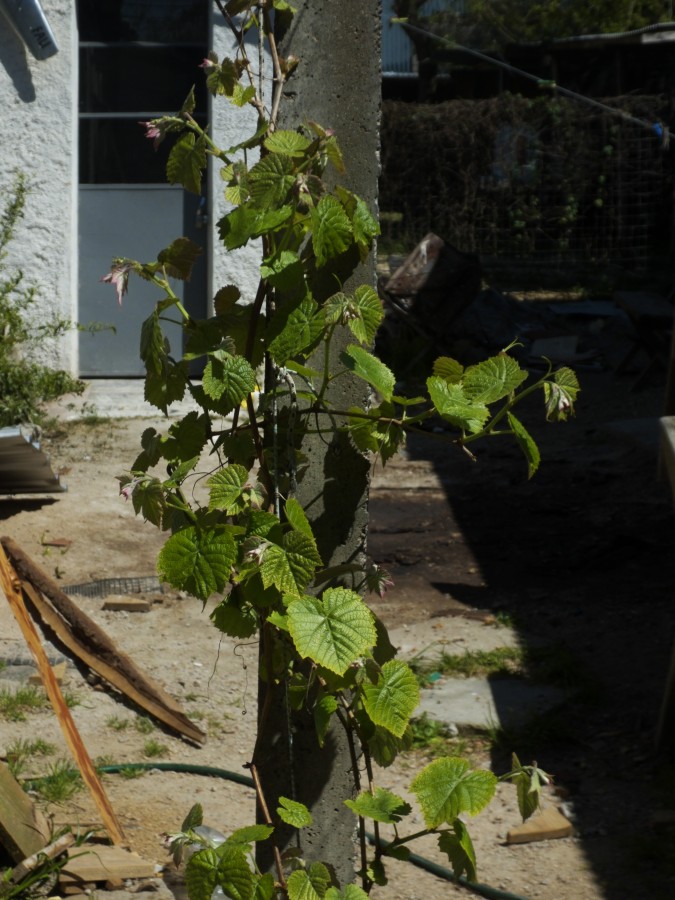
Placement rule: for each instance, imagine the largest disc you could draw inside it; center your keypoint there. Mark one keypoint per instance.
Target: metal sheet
(24, 467)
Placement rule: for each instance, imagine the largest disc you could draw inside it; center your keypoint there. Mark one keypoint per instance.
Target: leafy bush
(26, 383)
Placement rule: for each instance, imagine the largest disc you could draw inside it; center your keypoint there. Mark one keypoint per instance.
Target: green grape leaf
(334, 154)
(394, 698)
(297, 518)
(448, 369)
(449, 786)
(309, 884)
(324, 708)
(179, 258)
(299, 333)
(349, 892)
(284, 272)
(333, 631)
(370, 433)
(382, 806)
(270, 180)
(453, 405)
(227, 488)
(492, 379)
(290, 567)
(293, 813)
(368, 367)
(222, 79)
(201, 874)
(186, 162)
(250, 834)
(364, 224)
(246, 222)
(167, 387)
(331, 230)
(194, 817)
(287, 143)
(231, 377)
(149, 501)
(264, 887)
(226, 297)
(560, 395)
(459, 849)
(186, 438)
(241, 95)
(153, 344)
(234, 875)
(370, 314)
(526, 444)
(261, 523)
(198, 561)
(384, 746)
(234, 618)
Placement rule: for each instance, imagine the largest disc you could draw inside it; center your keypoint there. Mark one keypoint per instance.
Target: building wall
(39, 138)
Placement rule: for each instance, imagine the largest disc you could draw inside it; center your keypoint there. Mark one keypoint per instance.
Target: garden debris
(51, 851)
(127, 604)
(24, 467)
(59, 672)
(14, 591)
(432, 286)
(23, 829)
(92, 864)
(90, 644)
(548, 825)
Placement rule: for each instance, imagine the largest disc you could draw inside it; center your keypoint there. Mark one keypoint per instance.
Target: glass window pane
(116, 151)
(164, 21)
(148, 79)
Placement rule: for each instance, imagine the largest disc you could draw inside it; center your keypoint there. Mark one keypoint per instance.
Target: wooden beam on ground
(91, 863)
(11, 586)
(91, 645)
(23, 829)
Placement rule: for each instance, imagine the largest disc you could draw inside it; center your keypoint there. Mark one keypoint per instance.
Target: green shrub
(26, 382)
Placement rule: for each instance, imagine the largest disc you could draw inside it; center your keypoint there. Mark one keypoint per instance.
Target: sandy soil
(580, 556)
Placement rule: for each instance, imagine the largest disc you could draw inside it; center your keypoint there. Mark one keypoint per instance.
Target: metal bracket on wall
(29, 22)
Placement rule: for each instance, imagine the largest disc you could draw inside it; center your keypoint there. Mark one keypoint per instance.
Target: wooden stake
(11, 586)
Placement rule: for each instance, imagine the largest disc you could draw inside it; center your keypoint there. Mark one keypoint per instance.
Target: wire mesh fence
(546, 182)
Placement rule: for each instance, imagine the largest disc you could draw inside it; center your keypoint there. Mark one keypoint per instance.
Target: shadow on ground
(580, 557)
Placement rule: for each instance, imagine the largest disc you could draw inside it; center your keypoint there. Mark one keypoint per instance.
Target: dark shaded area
(580, 556)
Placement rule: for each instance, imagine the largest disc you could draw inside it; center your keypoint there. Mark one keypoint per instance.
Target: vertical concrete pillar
(336, 84)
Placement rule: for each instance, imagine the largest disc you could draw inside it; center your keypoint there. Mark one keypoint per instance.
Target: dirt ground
(580, 557)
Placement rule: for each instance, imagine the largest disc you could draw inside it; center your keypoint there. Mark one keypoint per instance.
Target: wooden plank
(23, 829)
(12, 589)
(548, 825)
(92, 863)
(89, 643)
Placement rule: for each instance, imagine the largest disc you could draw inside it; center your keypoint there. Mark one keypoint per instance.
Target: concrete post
(337, 84)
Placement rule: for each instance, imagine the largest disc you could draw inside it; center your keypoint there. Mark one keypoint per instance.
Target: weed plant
(26, 383)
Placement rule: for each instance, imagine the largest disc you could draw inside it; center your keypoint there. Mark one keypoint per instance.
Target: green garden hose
(483, 890)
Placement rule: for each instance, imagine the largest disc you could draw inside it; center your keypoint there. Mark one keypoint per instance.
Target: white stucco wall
(230, 125)
(39, 100)
(38, 137)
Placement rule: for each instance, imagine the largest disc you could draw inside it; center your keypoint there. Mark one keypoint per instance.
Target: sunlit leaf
(448, 787)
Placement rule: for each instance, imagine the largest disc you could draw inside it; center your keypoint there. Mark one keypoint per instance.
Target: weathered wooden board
(23, 828)
(91, 863)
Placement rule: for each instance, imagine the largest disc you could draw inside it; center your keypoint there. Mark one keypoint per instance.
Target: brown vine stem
(278, 78)
(239, 38)
(266, 813)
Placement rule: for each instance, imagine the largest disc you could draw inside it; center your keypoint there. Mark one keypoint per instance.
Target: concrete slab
(485, 703)
(113, 398)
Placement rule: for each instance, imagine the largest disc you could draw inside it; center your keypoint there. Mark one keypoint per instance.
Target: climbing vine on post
(261, 396)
